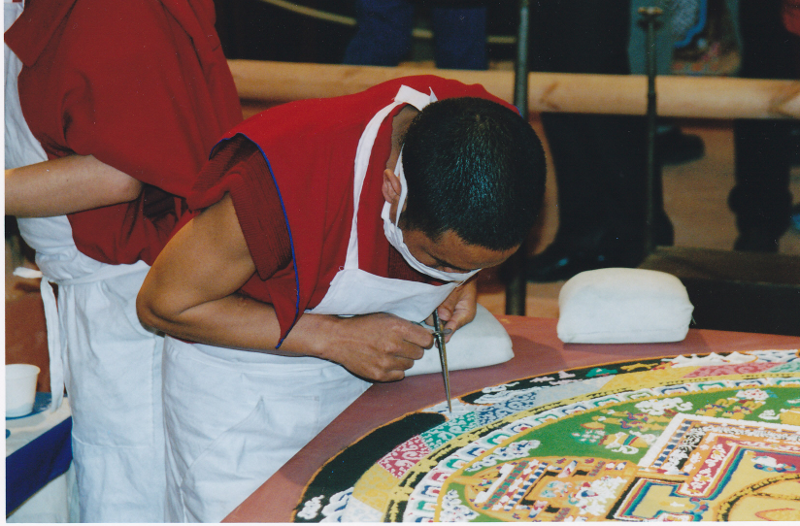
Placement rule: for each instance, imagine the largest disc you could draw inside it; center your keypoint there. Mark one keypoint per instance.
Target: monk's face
(449, 253)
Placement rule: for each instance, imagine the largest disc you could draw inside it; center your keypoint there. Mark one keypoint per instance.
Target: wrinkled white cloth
(233, 418)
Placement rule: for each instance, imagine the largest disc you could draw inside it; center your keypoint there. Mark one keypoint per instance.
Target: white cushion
(623, 305)
(484, 341)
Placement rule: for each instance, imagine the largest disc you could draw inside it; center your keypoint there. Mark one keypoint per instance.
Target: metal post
(650, 20)
(517, 283)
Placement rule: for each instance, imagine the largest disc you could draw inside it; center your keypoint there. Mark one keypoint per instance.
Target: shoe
(756, 239)
(557, 263)
(675, 147)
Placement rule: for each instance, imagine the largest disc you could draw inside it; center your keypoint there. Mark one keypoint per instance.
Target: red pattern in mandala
(723, 370)
(404, 456)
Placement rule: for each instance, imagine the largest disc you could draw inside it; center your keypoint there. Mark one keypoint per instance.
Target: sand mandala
(713, 437)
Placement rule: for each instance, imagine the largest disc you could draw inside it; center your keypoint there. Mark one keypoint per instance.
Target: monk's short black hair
(474, 167)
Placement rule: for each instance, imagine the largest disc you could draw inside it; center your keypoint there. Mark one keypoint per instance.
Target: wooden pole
(678, 96)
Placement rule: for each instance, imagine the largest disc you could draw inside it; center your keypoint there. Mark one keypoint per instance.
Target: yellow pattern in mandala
(791, 417)
(645, 379)
(421, 467)
(631, 367)
(780, 514)
(789, 489)
(776, 499)
(401, 493)
(373, 486)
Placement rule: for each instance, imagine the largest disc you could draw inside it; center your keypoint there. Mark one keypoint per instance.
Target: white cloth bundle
(623, 305)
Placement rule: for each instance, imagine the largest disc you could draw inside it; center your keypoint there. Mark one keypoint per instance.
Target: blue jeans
(384, 35)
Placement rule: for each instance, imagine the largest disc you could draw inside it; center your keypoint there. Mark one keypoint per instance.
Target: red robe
(144, 87)
(310, 147)
(791, 16)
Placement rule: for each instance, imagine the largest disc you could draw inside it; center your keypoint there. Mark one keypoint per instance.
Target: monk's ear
(391, 187)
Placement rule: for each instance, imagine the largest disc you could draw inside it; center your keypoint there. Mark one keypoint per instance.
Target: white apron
(233, 418)
(110, 364)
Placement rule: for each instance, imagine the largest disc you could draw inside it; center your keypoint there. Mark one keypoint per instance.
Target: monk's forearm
(66, 185)
(233, 321)
(377, 347)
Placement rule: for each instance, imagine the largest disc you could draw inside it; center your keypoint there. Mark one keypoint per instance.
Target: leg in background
(384, 33)
(763, 149)
(460, 37)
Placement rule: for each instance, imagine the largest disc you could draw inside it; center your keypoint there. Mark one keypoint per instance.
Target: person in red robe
(328, 229)
(118, 106)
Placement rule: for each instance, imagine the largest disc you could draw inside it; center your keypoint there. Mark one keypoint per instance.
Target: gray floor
(695, 197)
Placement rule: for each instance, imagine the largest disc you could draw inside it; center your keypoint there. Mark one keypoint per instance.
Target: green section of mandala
(624, 431)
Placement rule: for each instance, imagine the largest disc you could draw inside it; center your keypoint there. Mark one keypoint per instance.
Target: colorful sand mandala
(714, 437)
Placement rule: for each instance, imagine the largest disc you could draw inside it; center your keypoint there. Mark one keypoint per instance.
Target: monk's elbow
(127, 188)
(149, 311)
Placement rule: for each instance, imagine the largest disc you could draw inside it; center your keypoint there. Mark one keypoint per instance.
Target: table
(537, 351)
(38, 452)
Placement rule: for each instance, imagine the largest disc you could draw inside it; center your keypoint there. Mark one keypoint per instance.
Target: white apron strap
(54, 341)
(55, 344)
(405, 95)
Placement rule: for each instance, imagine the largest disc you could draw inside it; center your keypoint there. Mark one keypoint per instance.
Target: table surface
(537, 351)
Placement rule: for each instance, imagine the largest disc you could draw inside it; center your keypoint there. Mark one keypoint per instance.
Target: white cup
(20, 388)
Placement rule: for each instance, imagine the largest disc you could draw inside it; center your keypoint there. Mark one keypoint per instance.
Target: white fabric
(110, 364)
(113, 377)
(480, 343)
(623, 305)
(112, 372)
(49, 504)
(233, 418)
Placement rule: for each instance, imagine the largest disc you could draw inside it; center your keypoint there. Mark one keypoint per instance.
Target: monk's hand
(378, 347)
(459, 308)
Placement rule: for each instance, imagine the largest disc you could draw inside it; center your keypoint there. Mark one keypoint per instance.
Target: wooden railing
(678, 96)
